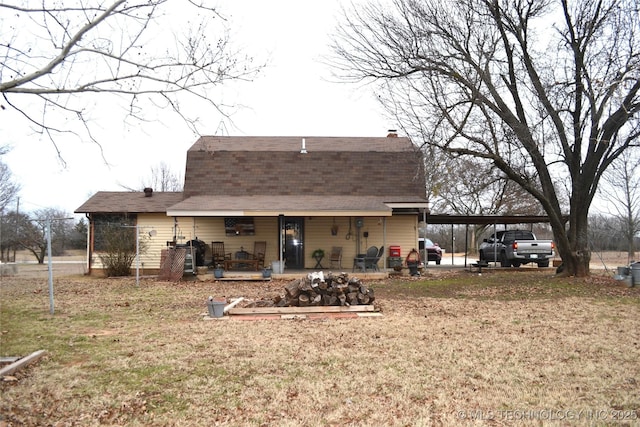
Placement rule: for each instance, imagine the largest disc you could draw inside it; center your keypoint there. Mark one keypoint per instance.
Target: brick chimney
(392, 133)
(148, 192)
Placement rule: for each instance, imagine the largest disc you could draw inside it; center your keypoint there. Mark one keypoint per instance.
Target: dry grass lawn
(451, 348)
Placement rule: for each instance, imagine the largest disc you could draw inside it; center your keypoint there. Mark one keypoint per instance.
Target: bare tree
(9, 189)
(161, 178)
(12, 224)
(32, 232)
(546, 91)
(468, 187)
(58, 60)
(621, 191)
(465, 186)
(164, 179)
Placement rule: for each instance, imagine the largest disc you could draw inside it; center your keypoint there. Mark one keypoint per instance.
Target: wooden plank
(10, 369)
(371, 314)
(298, 310)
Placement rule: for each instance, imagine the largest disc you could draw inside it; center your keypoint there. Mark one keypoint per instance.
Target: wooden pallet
(313, 312)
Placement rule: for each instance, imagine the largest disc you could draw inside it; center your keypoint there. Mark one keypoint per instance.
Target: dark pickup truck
(516, 247)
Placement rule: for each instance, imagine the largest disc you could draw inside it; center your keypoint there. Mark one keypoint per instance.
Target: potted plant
(266, 272)
(218, 272)
(318, 254)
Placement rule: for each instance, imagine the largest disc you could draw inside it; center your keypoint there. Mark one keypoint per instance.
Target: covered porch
(300, 232)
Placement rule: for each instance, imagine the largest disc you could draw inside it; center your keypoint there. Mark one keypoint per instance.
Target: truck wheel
(515, 263)
(504, 262)
(437, 262)
(543, 264)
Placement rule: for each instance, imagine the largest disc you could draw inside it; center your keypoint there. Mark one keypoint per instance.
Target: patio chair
(218, 255)
(372, 261)
(335, 258)
(259, 250)
(360, 261)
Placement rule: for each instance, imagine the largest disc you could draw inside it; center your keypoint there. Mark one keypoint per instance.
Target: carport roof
(487, 219)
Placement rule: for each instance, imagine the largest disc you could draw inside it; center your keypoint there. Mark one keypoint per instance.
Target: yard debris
(233, 303)
(19, 363)
(318, 290)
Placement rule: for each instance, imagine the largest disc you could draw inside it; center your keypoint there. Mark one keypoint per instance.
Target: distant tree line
(22, 231)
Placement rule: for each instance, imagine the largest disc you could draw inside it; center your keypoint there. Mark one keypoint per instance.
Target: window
(110, 229)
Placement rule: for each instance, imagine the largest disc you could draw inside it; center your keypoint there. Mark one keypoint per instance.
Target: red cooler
(394, 251)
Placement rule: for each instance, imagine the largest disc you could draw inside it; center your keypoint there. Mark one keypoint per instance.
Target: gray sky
(293, 96)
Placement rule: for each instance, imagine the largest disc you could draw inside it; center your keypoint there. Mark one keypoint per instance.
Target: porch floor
(287, 275)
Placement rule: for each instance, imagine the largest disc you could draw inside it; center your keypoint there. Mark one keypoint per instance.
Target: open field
(452, 348)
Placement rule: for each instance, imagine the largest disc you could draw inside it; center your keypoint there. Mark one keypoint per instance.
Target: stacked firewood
(317, 289)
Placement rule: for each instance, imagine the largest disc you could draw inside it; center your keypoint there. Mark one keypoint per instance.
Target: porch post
(280, 225)
(384, 242)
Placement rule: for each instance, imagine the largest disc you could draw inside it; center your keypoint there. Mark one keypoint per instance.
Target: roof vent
(392, 133)
(148, 192)
(304, 147)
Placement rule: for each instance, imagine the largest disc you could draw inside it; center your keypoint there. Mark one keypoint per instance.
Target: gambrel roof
(331, 166)
(267, 176)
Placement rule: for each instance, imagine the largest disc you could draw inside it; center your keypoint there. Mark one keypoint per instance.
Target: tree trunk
(573, 246)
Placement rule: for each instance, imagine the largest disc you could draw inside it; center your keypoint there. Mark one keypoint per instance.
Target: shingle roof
(294, 143)
(129, 202)
(269, 174)
(247, 166)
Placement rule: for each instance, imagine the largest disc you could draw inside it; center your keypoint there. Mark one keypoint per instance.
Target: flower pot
(218, 273)
(266, 273)
(413, 268)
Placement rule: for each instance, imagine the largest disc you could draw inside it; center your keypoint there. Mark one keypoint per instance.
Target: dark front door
(293, 242)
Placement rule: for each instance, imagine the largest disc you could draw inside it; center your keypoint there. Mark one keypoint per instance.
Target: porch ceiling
(311, 205)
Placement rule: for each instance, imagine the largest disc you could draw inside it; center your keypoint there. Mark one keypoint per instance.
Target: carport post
(466, 243)
(453, 244)
(280, 225)
(424, 249)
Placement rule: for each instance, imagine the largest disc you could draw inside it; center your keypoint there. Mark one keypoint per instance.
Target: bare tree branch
(56, 59)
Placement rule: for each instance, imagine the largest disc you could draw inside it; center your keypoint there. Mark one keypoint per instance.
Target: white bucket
(277, 267)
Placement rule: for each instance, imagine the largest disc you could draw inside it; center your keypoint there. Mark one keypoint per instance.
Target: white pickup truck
(516, 247)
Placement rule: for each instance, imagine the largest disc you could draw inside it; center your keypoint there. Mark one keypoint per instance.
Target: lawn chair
(335, 258)
(372, 261)
(218, 255)
(360, 261)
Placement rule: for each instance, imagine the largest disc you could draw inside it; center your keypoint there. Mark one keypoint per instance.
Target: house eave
(290, 205)
(269, 213)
